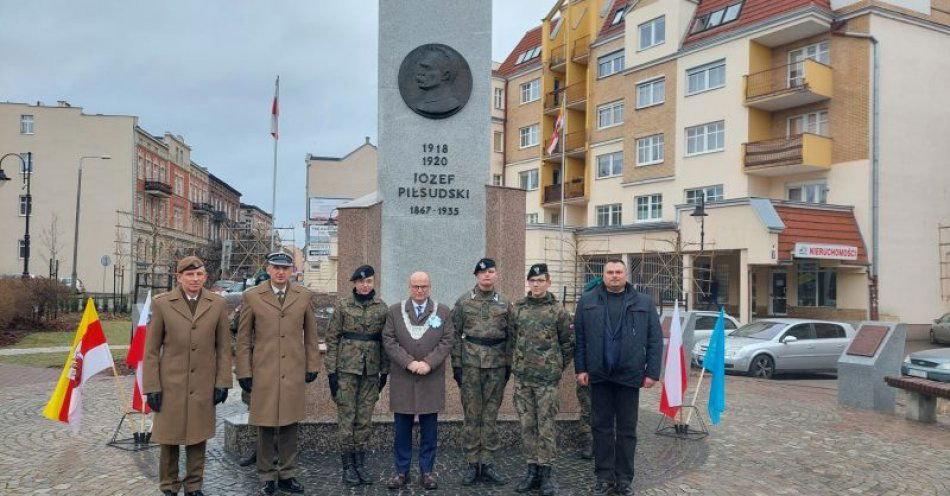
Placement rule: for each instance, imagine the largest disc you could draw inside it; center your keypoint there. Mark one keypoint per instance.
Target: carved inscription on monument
(867, 341)
(435, 81)
(432, 184)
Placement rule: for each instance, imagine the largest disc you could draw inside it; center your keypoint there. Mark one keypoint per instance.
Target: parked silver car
(765, 347)
(928, 364)
(940, 330)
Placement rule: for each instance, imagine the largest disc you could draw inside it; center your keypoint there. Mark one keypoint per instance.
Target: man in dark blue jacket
(619, 350)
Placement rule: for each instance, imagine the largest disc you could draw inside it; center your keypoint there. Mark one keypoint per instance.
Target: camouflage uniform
(583, 399)
(543, 347)
(355, 353)
(483, 351)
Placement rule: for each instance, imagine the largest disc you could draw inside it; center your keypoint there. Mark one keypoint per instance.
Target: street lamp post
(76, 227)
(27, 168)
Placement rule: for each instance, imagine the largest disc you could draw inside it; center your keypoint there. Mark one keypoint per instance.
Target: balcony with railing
(219, 216)
(796, 154)
(581, 52)
(158, 188)
(558, 58)
(552, 101)
(202, 208)
(791, 85)
(574, 192)
(576, 95)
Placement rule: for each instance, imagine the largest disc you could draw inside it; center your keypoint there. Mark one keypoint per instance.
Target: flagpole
(699, 385)
(563, 182)
(126, 407)
(273, 204)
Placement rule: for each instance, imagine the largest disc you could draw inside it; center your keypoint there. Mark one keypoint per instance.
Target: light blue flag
(715, 363)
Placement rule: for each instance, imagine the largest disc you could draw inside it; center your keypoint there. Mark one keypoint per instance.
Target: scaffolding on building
(943, 246)
(660, 271)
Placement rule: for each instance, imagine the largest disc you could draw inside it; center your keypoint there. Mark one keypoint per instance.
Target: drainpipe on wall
(875, 166)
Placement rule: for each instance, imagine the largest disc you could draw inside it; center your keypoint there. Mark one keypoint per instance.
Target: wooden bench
(922, 396)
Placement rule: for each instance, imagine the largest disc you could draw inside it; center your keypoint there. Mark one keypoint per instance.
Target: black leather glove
(220, 394)
(507, 373)
(246, 384)
(311, 376)
(457, 375)
(154, 401)
(334, 381)
(382, 380)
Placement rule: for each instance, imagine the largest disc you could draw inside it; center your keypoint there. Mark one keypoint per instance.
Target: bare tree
(52, 241)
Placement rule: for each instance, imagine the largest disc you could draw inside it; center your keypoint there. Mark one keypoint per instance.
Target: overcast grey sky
(205, 69)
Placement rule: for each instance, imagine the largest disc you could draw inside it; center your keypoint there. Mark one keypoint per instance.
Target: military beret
(484, 264)
(538, 269)
(280, 259)
(362, 272)
(189, 263)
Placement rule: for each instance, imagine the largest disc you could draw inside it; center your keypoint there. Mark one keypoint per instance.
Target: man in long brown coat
(418, 336)
(187, 372)
(276, 354)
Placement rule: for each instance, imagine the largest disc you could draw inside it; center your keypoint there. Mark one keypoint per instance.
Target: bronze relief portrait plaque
(435, 81)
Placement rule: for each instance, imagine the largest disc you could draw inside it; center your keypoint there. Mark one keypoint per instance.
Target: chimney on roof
(367, 140)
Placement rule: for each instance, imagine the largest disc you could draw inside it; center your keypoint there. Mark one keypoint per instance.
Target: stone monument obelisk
(434, 148)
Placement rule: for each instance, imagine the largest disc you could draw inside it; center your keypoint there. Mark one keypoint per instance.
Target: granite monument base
(876, 351)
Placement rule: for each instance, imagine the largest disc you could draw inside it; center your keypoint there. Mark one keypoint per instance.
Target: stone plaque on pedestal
(876, 351)
(434, 141)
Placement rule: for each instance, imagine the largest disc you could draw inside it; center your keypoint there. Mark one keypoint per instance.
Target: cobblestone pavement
(776, 438)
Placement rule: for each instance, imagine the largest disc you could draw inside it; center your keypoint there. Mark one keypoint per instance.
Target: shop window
(817, 286)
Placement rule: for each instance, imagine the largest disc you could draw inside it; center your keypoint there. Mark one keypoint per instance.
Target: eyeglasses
(418, 288)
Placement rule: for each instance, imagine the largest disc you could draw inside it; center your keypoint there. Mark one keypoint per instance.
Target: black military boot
(530, 480)
(359, 459)
(350, 477)
(548, 484)
(471, 474)
(490, 476)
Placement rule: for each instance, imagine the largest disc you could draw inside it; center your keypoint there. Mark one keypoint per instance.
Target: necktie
(419, 310)
(280, 297)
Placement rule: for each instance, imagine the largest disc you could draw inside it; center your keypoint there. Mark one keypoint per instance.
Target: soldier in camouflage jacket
(543, 347)
(357, 368)
(481, 365)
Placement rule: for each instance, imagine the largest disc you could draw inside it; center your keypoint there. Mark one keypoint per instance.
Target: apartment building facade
(809, 144)
(142, 207)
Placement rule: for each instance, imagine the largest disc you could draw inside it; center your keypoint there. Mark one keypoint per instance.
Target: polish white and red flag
(136, 356)
(275, 109)
(674, 372)
(556, 135)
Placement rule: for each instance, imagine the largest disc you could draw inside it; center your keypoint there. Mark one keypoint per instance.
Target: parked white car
(763, 348)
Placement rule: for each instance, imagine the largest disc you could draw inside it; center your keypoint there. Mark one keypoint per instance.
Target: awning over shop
(820, 233)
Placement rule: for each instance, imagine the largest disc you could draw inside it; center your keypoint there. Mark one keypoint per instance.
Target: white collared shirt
(277, 292)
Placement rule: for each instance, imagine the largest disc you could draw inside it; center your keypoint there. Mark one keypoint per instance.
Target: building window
(608, 215)
(531, 90)
(717, 18)
(26, 205)
(814, 192)
(609, 165)
(528, 179)
(706, 77)
(554, 218)
(818, 52)
(706, 138)
(649, 208)
(26, 164)
(652, 32)
(21, 249)
(529, 136)
(651, 93)
(611, 63)
(618, 16)
(531, 218)
(496, 179)
(499, 98)
(711, 193)
(528, 54)
(812, 122)
(499, 142)
(650, 150)
(610, 114)
(817, 286)
(179, 218)
(26, 124)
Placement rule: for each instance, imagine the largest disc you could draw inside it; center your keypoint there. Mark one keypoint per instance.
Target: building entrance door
(778, 303)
